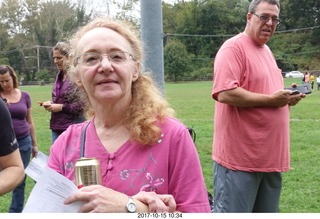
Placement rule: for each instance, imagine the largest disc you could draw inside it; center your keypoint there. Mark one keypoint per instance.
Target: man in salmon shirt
(251, 145)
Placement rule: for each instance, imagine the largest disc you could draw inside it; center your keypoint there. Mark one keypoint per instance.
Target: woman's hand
(99, 199)
(34, 151)
(157, 202)
(45, 104)
(51, 107)
(55, 107)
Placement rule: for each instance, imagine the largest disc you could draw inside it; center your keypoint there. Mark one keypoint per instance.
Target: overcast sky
(101, 6)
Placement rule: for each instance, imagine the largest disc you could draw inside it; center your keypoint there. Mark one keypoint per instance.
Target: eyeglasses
(94, 58)
(263, 18)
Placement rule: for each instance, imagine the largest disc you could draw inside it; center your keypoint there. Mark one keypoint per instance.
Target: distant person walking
(66, 107)
(305, 79)
(318, 81)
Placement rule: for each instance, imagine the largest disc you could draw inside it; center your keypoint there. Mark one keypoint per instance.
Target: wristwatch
(131, 205)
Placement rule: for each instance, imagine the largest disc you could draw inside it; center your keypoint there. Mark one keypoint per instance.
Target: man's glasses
(94, 58)
(263, 18)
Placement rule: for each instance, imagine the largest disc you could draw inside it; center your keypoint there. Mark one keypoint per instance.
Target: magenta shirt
(171, 166)
(249, 138)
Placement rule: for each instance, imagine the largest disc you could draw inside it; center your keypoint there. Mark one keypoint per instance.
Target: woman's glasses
(94, 58)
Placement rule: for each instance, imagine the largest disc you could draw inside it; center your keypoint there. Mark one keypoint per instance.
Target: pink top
(256, 138)
(171, 166)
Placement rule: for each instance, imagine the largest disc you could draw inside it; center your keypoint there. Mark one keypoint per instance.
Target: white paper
(37, 165)
(49, 193)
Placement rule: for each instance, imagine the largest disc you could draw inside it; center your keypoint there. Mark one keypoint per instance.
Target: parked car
(284, 73)
(294, 74)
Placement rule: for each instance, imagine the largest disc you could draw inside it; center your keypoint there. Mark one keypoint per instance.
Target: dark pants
(17, 200)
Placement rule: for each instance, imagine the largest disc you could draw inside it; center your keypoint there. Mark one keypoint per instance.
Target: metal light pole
(152, 37)
(38, 58)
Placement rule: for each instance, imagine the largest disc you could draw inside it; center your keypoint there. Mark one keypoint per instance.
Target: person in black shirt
(11, 166)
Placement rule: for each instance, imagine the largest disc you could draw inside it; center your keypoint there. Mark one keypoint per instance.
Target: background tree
(29, 29)
(176, 60)
(296, 43)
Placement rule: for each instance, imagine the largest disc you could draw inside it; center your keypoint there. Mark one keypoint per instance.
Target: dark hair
(254, 4)
(4, 69)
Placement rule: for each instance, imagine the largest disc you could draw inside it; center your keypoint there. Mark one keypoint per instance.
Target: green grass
(195, 107)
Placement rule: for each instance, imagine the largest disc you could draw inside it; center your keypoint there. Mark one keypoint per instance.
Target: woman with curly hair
(148, 159)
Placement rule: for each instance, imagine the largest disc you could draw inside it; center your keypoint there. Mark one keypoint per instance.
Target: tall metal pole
(38, 58)
(152, 38)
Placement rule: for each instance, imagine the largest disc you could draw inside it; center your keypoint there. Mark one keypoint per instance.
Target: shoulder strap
(193, 134)
(83, 139)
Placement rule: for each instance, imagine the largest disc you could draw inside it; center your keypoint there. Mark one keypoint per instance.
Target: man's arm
(242, 98)
(11, 171)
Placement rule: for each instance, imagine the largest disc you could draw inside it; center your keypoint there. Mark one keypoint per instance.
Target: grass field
(195, 107)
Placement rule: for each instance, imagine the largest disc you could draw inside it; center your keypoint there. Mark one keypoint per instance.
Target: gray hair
(254, 4)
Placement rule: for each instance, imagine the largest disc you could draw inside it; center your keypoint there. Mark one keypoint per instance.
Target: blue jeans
(17, 200)
(55, 135)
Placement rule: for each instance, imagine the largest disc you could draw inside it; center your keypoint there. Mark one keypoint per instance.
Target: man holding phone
(251, 122)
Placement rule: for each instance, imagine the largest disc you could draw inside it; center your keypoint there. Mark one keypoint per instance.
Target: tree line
(193, 31)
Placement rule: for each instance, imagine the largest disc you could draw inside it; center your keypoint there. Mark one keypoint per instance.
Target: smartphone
(295, 92)
(303, 88)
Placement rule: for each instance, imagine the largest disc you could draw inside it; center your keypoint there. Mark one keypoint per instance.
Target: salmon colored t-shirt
(254, 139)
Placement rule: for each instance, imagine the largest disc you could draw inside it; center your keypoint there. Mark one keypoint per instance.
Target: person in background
(66, 108)
(11, 166)
(146, 154)
(19, 105)
(305, 78)
(311, 79)
(318, 81)
(251, 145)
